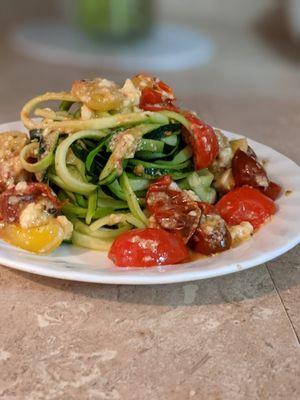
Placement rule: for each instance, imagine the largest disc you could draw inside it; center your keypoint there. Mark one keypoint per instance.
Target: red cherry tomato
(206, 208)
(212, 235)
(156, 95)
(12, 202)
(245, 204)
(273, 190)
(203, 141)
(148, 247)
(172, 209)
(247, 171)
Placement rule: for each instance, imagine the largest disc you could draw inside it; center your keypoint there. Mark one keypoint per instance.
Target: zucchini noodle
(101, 163)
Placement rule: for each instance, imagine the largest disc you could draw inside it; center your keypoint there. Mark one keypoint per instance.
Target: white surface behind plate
(272, 240)
(168, 47)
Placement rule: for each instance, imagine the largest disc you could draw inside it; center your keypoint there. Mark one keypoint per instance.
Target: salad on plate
(124, 169)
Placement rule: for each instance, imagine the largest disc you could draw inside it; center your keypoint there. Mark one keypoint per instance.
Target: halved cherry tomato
(12, 202)
(202, 140)
(212, 235)
(247, 171)
(39, 239)
(245, 204)
(273, 190)
(156, 95)
(148, 247)
(172, 208)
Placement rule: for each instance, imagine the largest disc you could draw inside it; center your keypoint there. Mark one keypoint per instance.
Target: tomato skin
(172, 209)
(212, 235)
(152, 100)
(245, 204)
(206, 208)
(156, 95)
(147, 248)
(273, 190)
(203, 140)
(10, 211)
(247, 171)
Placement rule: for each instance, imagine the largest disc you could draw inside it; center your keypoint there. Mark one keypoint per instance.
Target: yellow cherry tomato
(41, 239)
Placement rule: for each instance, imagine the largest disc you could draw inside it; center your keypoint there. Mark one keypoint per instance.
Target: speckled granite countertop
(234, 337)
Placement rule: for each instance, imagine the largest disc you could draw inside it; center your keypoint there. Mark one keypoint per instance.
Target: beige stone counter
(234, 337)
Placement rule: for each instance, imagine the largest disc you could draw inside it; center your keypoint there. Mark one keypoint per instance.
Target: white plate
(272, 240)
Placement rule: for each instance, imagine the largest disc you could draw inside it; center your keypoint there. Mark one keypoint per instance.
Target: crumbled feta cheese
(174, 186)
(66, 225)
(146, 244)
(33, 215)
(21, 187)
(13, 200)
(86, 113)
(105, 83)
(192, 195)
(132, 94)
(241, 232)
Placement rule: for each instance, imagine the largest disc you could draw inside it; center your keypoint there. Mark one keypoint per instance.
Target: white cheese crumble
(33, 215)
(192, 195)
(102, 82)
(86, 113)
(132, 94)
(21, 187)
(145, 243)
(241, 232)
(66, 225)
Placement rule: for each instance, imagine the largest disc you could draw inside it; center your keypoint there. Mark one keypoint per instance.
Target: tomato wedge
(172, 209)
(247, 170)
(13, 201)
(245, 204)
(147, 248)
(203, 141)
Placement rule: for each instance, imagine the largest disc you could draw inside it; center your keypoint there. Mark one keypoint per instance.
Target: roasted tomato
(172, 209)
(273, 190)
(245, 204)
(39, 239)
(247, 171)
(13, 201)
(202, 140)
(212, 235)
(156, 95)
(148, 247)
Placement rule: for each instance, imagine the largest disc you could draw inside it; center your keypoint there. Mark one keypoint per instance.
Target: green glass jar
(115, 20)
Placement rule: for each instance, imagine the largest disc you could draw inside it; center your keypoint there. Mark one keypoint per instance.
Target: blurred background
(236, 62)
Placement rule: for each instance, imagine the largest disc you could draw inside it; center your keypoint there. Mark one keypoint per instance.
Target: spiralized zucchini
(100, 164)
